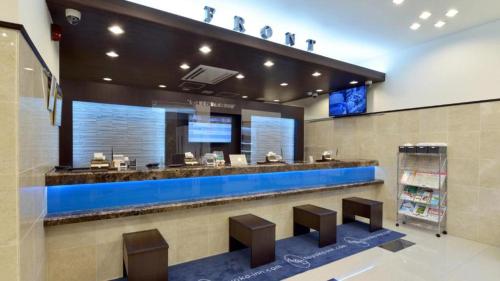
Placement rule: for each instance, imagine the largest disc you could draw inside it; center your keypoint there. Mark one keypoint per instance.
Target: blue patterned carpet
(293, 256)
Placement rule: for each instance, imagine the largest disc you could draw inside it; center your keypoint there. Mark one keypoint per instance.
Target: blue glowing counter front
(105, 197)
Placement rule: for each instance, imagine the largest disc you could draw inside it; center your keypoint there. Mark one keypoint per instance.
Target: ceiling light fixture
(240, 76)
(107, 79)
(452, 13)
(398, 2)
(112, 54)
(316, 74)
(4, 34)
(185, 66)
(425, 15)
(162, 86)
(205, 49)
(319, 90)
(353, 82)
(439, 24)
(244, 97)
(415, 26)
(116, 30)
(28, 69)
(284, 84)
(269, 63)
(276, 100)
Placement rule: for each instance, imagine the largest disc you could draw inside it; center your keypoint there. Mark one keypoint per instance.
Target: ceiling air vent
(188, 86)
(208, 74)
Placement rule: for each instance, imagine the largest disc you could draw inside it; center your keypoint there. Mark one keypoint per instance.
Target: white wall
(34, 16)
(458, 68)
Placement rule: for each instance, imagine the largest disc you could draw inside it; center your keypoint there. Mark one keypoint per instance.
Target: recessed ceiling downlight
(162, 86)
(398, 2)
(452, 13)
(440, 24)
(4, 34)
(184, 66)
(284, 84)
(244, 97)
(205, 49)
(116, 29)
(415, 26)
(276, 100)
(112, 54)
(425, 15)
(316, 74)
(353, 82)
(269, 63)
(240, 76)
(107, 79)
(319, 90)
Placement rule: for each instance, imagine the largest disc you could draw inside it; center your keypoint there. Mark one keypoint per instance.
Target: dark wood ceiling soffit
(155, 43)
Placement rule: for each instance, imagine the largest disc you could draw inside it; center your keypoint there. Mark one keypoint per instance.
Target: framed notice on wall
(52, 94)
(58, 101)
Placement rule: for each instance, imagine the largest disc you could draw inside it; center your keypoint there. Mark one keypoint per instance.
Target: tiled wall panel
(472, 133)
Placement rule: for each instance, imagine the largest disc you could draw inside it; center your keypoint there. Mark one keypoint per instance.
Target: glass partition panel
(134, 131)
(264, 132)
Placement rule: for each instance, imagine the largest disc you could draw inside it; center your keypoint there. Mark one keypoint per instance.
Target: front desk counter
(87, 213)
(79, 196)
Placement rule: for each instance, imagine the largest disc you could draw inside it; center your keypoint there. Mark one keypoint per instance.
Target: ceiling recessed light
(28, 69)
(240, 76)
(439, 24)
(269, 63)
(415, 26)
(316, 74)
(425, 15)
(353, 82)
(284, 84)
(107, 79)
(276, 100)
(319, 90)
(162, 86)
(184, 66)
(4, 34)
(244, 97)
(112, 54)
(451, 13)
(116, 29)
(205, 49)
(398, 2)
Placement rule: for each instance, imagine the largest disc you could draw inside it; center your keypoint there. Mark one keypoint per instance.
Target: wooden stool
(255, 233)
(355, 206)
(323, 220)
(145, 256)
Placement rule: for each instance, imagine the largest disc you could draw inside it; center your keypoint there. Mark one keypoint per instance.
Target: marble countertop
(77, 217)
(96, 176)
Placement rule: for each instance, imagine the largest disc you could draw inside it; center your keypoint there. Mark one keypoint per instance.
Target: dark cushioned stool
(355, 206)
(255, 233)
(323, 220)
(145, 256)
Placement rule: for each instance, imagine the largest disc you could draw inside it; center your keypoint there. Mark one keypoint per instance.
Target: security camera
(73, 16)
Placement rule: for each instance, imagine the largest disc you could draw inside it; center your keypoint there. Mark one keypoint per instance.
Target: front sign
(266, 32)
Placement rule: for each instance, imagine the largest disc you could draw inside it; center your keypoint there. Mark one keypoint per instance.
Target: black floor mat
(397, 245)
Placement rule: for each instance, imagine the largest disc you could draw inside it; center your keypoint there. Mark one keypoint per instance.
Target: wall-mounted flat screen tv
(348, 102)
(213, 129)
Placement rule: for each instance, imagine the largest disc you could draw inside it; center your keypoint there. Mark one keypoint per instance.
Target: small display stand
(422, 186)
